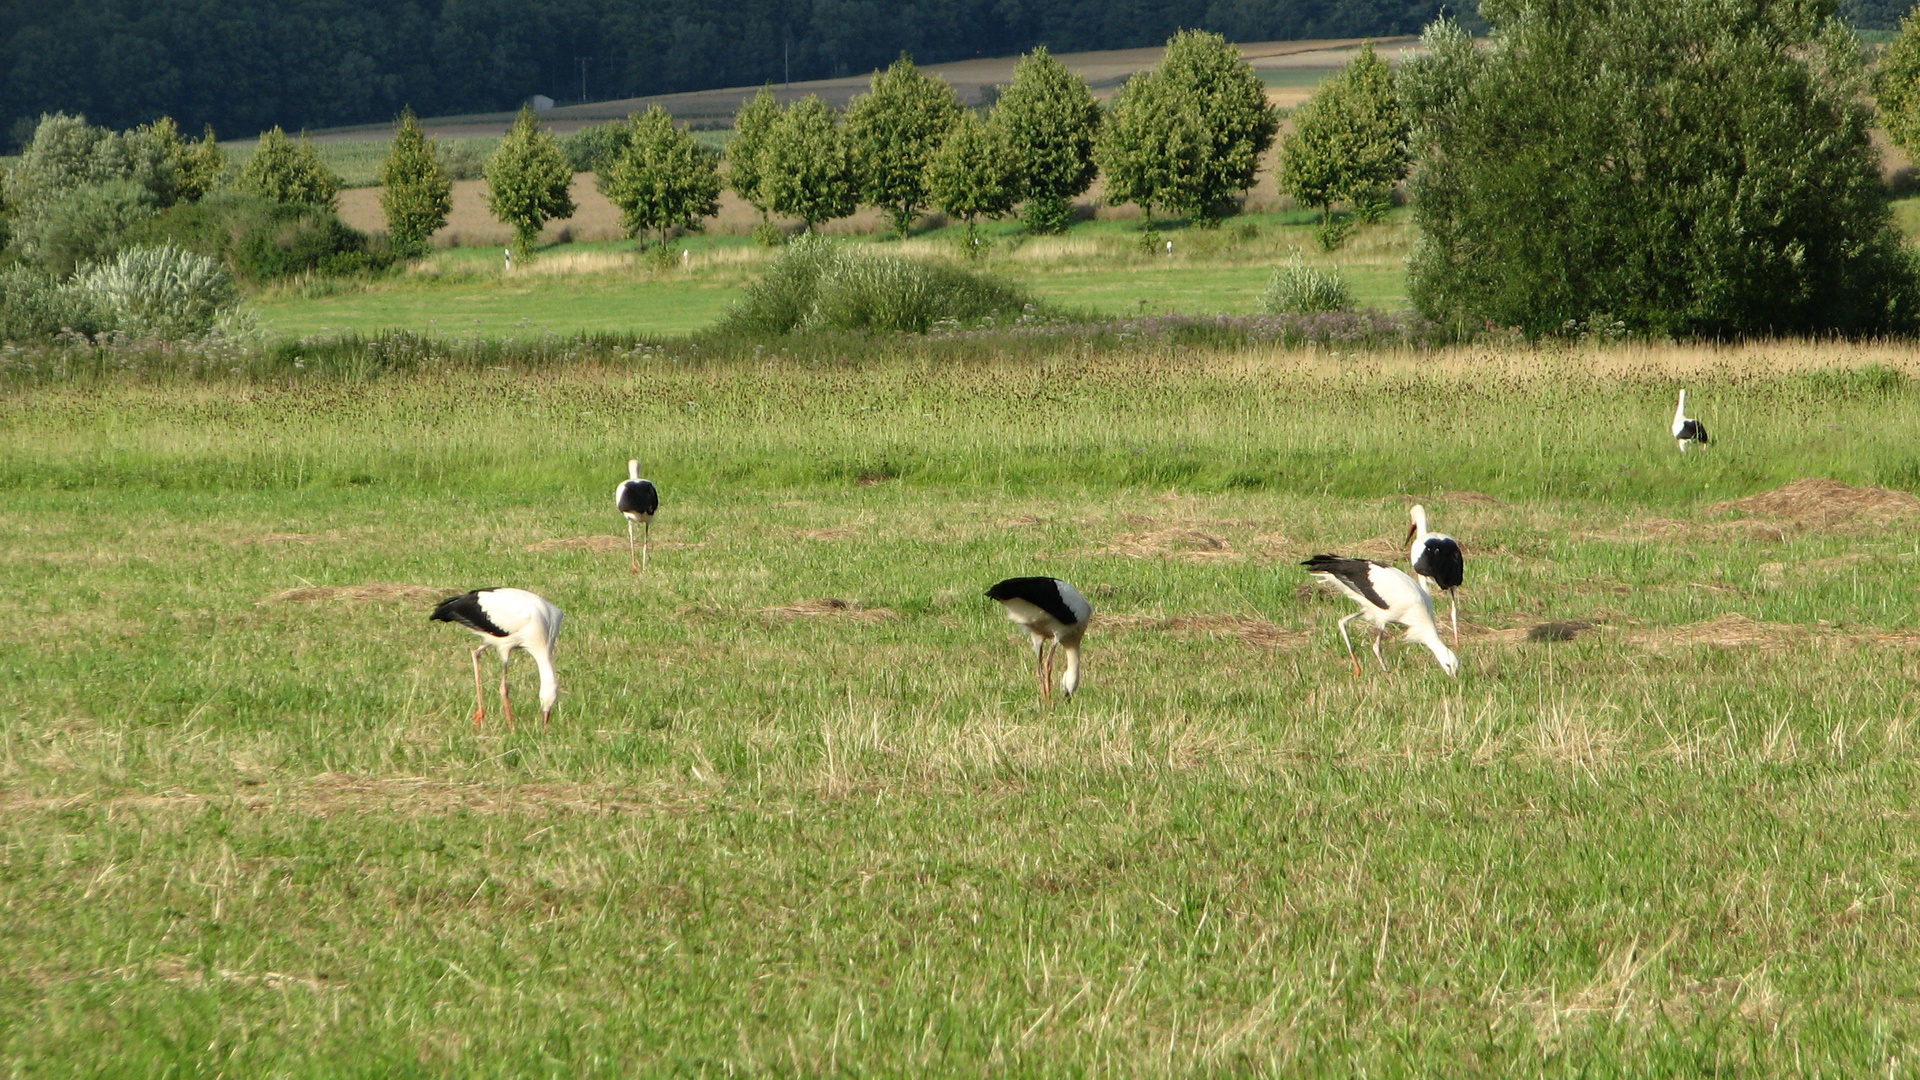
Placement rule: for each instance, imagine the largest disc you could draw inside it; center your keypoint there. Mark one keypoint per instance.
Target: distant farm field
(800, 811)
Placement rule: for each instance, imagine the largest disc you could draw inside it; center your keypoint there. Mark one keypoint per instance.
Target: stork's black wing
(1356, 574)
(638, 497)
(465, 609)
(1694, 430)
(1440, 560)
(1041, 592)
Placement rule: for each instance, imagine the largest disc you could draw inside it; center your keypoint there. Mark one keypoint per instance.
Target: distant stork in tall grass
(508, 619)
(639, 500)
(1386, 595)
(1437, 564)
(1686, 430)
(1050, 610)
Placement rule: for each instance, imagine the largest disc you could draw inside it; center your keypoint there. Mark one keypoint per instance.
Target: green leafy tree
(201, 165)
(892, 132)
(1349, 143)
(664, 179)
(975, 174)
(806, 171)
(66, 153)
(1052, 123)
(1688, 167)
(415, 192)
(1231, 104)
(289, 172)
(1897, 85)
(1153, 148)
(527, 181)
(752, 126)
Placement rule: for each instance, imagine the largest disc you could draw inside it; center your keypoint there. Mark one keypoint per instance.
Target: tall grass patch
(819, 284)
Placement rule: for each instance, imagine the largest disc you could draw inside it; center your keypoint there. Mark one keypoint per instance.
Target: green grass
(260, 836)
(1098, 268)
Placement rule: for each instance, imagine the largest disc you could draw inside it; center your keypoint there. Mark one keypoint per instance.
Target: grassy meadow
(1099, 268)
(800, 811)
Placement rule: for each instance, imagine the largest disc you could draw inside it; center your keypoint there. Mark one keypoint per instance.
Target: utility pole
(786, 60)
(583, 76)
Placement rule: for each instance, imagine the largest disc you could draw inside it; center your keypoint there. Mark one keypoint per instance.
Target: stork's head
(1419, 515)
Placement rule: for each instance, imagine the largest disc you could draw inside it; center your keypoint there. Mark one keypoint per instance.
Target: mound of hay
(838, 532)
(1730, 631)
(1254, 631)
(1177, 543)
(1468, 498)
(280, 538)
(1822, 502)
(604, 544)
(827, 607)
(372, 592)
(1563, 630)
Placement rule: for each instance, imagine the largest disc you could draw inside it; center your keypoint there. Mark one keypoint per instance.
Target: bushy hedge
(1297, 288)
(159, 292)
(36, 306)
(263, 241)
(817, 284)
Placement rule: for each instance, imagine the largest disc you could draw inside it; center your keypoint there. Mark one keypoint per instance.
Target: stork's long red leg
(479, 690)
(630, 551)
(506, 705)
(1046, 680)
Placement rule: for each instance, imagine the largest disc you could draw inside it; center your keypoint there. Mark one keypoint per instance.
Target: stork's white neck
(549, 682)
(1680, 410)
(1420, 521)
(633, 470)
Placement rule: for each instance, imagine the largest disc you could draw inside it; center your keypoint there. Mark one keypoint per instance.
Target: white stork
(1437, 564)
(639, 500)
(1686, 430)
(1386, 595)
(1050, 610)
(508, 619)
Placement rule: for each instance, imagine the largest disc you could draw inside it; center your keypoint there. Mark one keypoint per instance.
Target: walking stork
(1437, 564)
(1386, 595)
(1685, 430)
(508, 619)
(639, 500)
(1050, 610)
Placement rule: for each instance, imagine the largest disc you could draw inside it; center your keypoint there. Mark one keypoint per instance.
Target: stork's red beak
(1412, 531)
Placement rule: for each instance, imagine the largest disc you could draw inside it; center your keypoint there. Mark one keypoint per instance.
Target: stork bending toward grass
(1050, 610)
(639, 500)
(1686, 430)
(1386, 595)
(1437, 564)
(508, 619)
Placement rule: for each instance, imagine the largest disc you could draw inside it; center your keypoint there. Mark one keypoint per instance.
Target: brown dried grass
(1250, 629)
(372, 592)
(827, 607)
(283, 538)
(1823, 503)
(1730, 631)
(605, 544)
(1172, 543)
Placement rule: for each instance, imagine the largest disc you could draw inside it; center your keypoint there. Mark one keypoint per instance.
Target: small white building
(540, 102)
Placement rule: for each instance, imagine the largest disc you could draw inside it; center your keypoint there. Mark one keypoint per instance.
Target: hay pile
(1175, 543)
(826, 607)
(372, 592)
(1822, 503)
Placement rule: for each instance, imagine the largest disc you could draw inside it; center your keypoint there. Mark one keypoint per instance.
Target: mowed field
(800, 812)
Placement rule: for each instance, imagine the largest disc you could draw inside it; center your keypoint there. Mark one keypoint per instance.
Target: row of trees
(246, 65)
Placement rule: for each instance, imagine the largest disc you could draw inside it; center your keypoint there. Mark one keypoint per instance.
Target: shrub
(84, 226)
(1299, 289)
(461, 160)
(260, 241)
(1694, 168)
(289, 172)
(817, 284)
(35, 306)
(67, 154)
(594, 148)
(164, 292)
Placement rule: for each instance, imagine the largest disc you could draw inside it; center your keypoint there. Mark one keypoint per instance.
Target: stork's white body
(505, 620)
(1050, 610)
(1386, 595)
(1437, 564)
(1687, 431)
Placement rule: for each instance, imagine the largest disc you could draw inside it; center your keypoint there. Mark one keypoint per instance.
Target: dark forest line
(244, 65)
